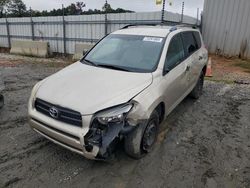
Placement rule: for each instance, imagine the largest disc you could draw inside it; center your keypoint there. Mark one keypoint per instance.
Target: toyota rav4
(122, 89)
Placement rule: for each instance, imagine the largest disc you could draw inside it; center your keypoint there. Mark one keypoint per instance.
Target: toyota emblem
(53, 112)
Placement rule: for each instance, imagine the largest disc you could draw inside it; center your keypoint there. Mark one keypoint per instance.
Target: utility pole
(182, 11)
(163, 11)
(198, 12)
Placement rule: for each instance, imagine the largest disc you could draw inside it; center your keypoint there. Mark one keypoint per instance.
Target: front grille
(63, 114)
(56, 130)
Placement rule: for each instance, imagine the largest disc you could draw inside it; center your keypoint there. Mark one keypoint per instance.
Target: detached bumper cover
(72, 142)
(105, 137)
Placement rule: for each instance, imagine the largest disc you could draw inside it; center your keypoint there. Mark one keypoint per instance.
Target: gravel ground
(204, 143)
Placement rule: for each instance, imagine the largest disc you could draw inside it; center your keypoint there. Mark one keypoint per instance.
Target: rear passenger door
(191, 55)
(200, 55)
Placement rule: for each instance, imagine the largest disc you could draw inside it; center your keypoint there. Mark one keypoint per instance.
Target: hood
(88, 89)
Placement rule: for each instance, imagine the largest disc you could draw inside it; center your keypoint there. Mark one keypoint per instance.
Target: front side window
(129, 52)
(189, 43)
(175, 53)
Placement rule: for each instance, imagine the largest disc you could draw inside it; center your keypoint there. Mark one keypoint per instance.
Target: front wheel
(197, 91)
(141, 140)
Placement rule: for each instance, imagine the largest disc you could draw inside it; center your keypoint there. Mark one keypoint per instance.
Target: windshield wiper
(113, 67)
(106, 66)
(89, 62)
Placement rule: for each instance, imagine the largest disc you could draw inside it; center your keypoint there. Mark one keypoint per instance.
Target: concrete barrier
(80, 48)
(30, 48)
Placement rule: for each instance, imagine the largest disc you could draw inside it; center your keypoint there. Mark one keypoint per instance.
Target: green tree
(17, 8)
(80, 6)
(71, 10)
(3, 5)
(120, 10)
(107, 8)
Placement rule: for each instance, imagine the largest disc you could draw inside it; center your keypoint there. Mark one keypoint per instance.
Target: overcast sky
(135, 5)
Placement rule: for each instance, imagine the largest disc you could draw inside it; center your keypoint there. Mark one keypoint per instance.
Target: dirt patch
(243, 64)
(4, 50)
(230, 69)
(203, 143)
(7, 60)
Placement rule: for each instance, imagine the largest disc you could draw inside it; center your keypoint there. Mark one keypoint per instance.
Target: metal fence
(63, 32)
(226, 27)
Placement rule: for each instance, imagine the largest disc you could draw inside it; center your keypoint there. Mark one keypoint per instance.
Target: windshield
(127, 52)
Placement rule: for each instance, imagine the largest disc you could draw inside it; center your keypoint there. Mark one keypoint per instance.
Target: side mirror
(85, 51)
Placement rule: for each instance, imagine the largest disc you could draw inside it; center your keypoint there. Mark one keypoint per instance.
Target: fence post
(106, 18)
(64, 32)
(8, 31)
(32, 25)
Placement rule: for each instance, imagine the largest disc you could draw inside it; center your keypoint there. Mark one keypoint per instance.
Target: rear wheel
(142, 140)
(197, 91)
(1, 101)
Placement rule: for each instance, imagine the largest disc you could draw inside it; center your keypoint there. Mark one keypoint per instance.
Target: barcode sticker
(152, 39)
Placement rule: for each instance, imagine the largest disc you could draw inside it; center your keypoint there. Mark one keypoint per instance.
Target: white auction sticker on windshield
(152, 39)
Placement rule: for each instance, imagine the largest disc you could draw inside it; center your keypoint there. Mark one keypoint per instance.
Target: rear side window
(175, 53)
(189, 43)
(198, 39)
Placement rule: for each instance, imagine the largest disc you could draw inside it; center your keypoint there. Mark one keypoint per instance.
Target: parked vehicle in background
(1, 90)
(122, 89)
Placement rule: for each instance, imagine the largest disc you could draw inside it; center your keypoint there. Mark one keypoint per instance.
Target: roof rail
(187, 25)
(174, 27)
(134, 25)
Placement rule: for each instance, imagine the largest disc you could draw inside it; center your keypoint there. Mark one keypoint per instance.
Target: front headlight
(33, 94)
(114, 115)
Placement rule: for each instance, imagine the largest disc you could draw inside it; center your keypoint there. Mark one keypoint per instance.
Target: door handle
(187, 68)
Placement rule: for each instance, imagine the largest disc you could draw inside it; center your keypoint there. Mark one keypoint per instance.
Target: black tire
(1, 101)
(197, 91)
(138, 143)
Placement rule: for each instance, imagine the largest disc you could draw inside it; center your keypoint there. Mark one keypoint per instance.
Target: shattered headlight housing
(114, 115)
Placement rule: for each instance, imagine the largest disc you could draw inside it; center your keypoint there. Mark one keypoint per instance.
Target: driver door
(175, 73)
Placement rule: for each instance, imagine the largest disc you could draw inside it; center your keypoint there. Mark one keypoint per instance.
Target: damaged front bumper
(93, 140)
(105, 137)
(97, 142)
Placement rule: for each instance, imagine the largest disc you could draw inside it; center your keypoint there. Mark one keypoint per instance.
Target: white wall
(226, 26)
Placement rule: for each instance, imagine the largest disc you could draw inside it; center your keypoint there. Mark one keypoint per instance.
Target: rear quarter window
(189, 43)
(197, 37)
